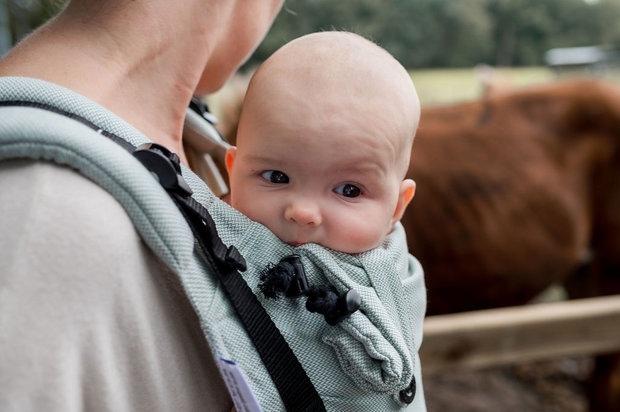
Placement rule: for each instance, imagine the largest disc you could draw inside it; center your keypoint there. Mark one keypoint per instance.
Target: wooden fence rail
(509, 335)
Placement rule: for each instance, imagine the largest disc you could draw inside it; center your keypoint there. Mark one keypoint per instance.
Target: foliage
(20, 17)
(419, 33)
(455, 33)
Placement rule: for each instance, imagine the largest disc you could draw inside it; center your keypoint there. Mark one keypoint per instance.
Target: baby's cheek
(358, 233)
(254, 206)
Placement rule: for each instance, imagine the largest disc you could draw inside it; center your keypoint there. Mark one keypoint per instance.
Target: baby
(324, 142)
(323, 147)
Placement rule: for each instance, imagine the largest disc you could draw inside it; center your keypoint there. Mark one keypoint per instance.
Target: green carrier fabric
(360, 364)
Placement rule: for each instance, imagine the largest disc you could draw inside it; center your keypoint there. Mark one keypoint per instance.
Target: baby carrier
(330, 331)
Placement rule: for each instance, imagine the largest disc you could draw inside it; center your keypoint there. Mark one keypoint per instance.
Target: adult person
(90, 318)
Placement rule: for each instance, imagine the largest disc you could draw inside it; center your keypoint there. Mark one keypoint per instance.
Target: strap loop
(234, 259)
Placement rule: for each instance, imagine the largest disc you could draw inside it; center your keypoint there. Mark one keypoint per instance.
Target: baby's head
(324, 141)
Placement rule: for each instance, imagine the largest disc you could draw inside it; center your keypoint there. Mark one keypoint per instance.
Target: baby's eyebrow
(366, 167)
(260, 158)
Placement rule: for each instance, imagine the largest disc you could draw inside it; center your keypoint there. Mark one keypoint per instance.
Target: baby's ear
(230, 159)
(405, 194)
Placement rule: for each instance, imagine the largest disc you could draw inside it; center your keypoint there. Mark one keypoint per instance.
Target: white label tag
(238, 386)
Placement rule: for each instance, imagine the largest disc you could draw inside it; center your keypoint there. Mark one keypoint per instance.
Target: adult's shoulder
(89, 313)
(54, 213)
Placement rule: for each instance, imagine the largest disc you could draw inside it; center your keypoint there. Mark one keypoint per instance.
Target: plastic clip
(164, 165)
(345, 306)
(200, 107)
(287, 277)
(299, 283)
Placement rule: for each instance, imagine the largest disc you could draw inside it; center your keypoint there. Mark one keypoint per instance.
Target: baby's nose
(303, 213)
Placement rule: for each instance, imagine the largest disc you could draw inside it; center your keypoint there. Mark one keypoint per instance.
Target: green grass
(443, 86)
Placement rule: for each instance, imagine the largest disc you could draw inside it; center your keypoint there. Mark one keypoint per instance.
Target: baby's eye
(275, 176)
(348, 190)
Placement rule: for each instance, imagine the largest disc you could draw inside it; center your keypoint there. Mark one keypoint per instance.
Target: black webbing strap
(287, 373)
(294, 386)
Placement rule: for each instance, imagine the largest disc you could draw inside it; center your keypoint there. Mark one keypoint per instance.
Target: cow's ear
(230, 159)
(405, 194)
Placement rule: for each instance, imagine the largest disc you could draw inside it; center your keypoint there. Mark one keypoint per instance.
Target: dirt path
(548, 386)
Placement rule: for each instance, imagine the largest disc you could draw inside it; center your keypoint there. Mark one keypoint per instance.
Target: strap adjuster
(346, 305)
(234, 259)
(299, 282)
(164, 165)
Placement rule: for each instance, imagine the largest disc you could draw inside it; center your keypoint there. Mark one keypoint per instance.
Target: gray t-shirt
(107, 329)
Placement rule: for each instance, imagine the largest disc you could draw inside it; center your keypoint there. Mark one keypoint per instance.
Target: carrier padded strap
(116, 139)
(292, 382)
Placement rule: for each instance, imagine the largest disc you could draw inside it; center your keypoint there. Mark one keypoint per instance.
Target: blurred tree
(20, 17)
(605, 19)
(419, 33)
(400, 26)
(455, 33)
(524, 29)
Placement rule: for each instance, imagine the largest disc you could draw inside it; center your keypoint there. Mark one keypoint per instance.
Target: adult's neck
(136, 67)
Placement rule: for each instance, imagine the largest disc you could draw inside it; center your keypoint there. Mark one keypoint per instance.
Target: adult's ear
(405, 194)
(230, 159)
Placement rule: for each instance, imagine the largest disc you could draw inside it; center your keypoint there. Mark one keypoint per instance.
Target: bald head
(340, 78)
(324, 141)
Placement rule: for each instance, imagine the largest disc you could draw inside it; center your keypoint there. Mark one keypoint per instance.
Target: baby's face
(331, 181)
(323, 143)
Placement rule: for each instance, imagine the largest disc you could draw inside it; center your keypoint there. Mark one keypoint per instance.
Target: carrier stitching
(43, 106)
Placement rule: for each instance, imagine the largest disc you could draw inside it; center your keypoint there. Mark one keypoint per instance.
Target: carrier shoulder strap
(292, 382)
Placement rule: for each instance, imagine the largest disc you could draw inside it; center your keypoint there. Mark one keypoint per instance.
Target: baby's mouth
(295, 244)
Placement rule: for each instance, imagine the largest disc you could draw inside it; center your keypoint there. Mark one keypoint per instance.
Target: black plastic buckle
(299, 283)
(202, 109)
(346, 305)
(165, 165)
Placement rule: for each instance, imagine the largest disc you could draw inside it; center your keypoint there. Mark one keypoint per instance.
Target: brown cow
(515, 192)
